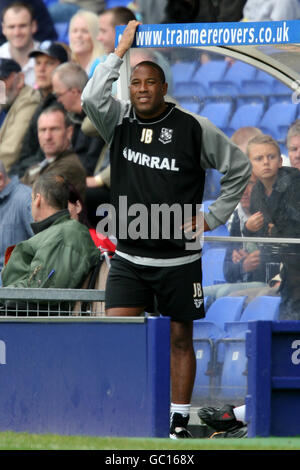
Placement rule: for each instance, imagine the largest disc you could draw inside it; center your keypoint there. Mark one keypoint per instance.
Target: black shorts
(178, 289)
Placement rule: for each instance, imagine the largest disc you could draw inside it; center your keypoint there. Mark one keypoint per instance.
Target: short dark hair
(54, 188)
(121, 15)
(155, 66)
(18, 5)
(57, 107)
(74, 196)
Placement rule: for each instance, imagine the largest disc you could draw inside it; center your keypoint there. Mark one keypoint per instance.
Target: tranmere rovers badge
(165, 135)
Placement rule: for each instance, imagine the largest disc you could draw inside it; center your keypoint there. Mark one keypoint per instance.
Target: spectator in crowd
(244, 270)
(293, 144)
(45, 26)
(271, 10)
(55, 133)
(199, 11)
(151, 11)
(78, 211)
(19, 26)
(21, 103)
(47, 57)
(240, 265)
(120, 16)
(275, 209)
(15, 212)
(275, 203)
(108, 20)
(90, 149)
(62, 252)
(136, 127)
(83, 31)
(68, 81)
(63, 10)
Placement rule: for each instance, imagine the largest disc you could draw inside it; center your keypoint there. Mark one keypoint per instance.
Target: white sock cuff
(183, 409)
(240, 412)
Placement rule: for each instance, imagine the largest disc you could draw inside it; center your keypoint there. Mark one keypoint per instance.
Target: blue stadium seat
(262, 75)
(116, 3)
(182, 71)
(212, 266)
(230, 350)
(204, 337)
(212, 70)
(189, 89)
(224, 310)
(247, 115)
(224, 88)
(278, 114)
(280, 89)
(257, 87)
(62, 30)
(281, 93)
(217, 113)
(2, 116)
(232, 383)
(240, 71)
(262, 308)
(50, 2)
(189, 104)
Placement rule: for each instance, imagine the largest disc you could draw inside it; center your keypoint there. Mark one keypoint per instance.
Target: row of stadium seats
(219, 343)
(239, 77)
(273, 120)
(235, 95)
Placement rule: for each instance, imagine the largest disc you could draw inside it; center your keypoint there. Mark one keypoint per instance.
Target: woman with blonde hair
(83, 31)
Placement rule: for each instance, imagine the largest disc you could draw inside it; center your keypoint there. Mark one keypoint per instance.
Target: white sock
(184, 410)
(239, 412)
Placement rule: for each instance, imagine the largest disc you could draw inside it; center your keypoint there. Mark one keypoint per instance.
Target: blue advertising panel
(215, 34)
(273, 400)
(85, 378)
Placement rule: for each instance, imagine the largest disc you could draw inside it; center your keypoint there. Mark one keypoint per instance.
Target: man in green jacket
(61, 253)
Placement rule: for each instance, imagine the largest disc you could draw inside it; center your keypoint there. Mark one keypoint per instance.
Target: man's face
(18, 28)
(43, 68)
(106, 33)
(265, 161)
(68, 97)
(147, 91)
(54, 136)
(294, 151)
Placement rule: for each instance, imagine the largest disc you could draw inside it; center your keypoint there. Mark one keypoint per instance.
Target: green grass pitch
(24, 441)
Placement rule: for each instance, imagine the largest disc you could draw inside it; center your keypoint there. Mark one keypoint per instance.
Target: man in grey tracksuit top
(159, 154)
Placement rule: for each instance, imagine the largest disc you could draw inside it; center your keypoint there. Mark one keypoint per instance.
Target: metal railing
(27, 302)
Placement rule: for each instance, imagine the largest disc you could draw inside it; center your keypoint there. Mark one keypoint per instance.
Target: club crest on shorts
(198, 294)
(165, 135)
(198, 302)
